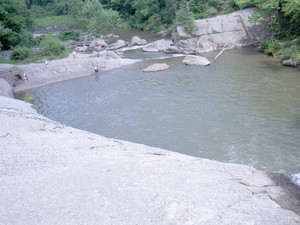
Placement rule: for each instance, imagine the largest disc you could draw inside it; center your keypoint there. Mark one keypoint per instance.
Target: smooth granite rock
(196, 60)
(158, 46)
(138, 41)
(54, 174)
(230, 30)
(5, 89)
(156, 67)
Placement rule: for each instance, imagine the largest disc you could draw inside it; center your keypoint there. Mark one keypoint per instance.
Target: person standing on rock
(74, 54)
(24, 77)
(96, 69)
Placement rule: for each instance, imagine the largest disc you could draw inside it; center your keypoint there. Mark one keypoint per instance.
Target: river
(244, 108)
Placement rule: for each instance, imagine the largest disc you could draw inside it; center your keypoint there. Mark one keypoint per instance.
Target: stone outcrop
(54, 174)
(98, 42)
(289, 62)
(138, 41)
(12, 74)
(40, 74)
(156, 67)
(5, 89)
(196, 60)
(118, 44)
(233, 30)
(158, 46)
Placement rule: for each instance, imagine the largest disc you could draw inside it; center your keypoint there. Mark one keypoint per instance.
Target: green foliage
(146, 15)
(66, 7)
(29, 98)
(14, 17)
(270, 46)
(29, 3)
(242, 4)
(292, 52)
(56, 20)
(98, 19)
(184, 17)
(39, 11)
(20, 53)
(51, 47)
(26, 38)
(65, 35)
(124, 7)
(208, 8)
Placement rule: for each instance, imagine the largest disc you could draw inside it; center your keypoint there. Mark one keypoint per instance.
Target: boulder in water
(196, 60)
(138, 41)
(156, 67)
(290, 62)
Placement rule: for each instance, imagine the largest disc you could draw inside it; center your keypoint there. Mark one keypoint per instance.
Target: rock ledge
(54, 174)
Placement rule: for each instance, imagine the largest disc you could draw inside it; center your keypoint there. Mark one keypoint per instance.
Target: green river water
(244, 108)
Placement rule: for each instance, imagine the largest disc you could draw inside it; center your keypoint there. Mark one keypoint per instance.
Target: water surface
(244, 108)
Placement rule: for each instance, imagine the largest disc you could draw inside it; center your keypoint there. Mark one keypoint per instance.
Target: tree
(29, 3)
(184, 17)
(66, 7)
(98, 19)
(168, 10)
(146, 14)
(14, 17)
(51, 47)
(124, 7)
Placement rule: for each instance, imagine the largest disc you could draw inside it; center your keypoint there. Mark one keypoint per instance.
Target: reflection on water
(244, 108)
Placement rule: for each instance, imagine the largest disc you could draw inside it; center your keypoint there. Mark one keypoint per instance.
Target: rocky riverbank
(40, 74)
(54, 174)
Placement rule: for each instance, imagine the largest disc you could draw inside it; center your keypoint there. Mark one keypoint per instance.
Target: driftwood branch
(220, 53)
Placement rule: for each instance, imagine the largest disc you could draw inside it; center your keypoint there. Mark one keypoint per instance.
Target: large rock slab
(233, 30)
(156, 67)
(5, 89)
(138, 41)
(118, 44)
(158, 46)
(54, 174)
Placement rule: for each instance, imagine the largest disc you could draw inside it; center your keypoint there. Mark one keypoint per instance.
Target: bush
(51, 47)
(29, 98)
(20, 53)
(295, 53)
(66, 35)
(270, 46)
(26, 38)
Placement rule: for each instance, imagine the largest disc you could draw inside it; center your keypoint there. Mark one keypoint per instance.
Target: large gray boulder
(289, 62)
(118, 44)
(98, 42)
(138, 41)
(158, 46)
(196, 60)
(233, 30)
(5, 89)
(54, 174)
